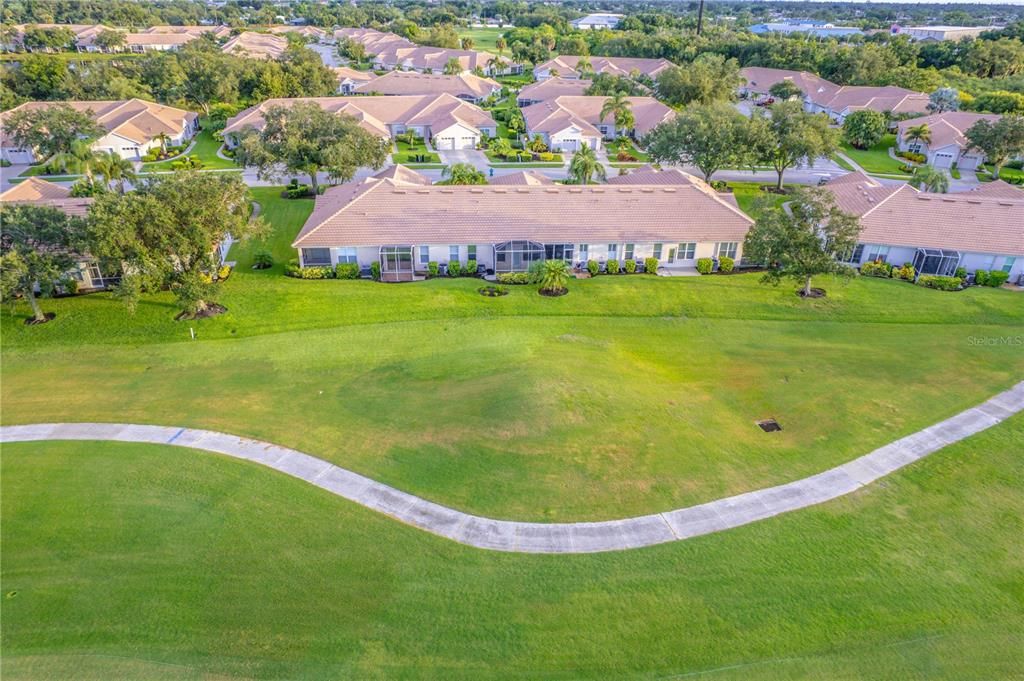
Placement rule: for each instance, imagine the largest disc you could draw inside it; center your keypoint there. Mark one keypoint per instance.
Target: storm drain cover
(769, 425)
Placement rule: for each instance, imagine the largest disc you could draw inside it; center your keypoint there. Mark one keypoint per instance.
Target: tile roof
(134, 119)
(143, 39)
(838, 98)
(1000, 189)
(970, 222)
(400, 174)
(256, 45)
(345, 73)
(549, 88)
(305, 31)
(37, 192)
(382, 212)
(585, 112)
(393, 50)
(523, 177)
(376, 113)
(412, 83)
(617, 66)
(948, 128)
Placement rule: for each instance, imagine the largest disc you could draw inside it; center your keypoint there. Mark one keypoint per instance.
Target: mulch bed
(212, 310)
(32, 321)
(815, 293)
(492, 291)
(553, 294)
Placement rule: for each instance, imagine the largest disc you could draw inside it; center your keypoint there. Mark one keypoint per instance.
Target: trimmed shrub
(593, 267)
(719, 185)
(651, 265)
(347, 270)
(876, 269)
(470, 270)
(612, 267)
(906, 272)
(262, 259)
(997, 278)
(961, 273)
(433, 269)
(319, 272)
(981, 277)
(514, 278)
(69, 285)
(726, 264)
(454, 269)
(629, 266)
(546, 156)
(300, 191)
(911, 156)
(375, 270)
(705, 265)
(625, 157)
(223, 272)
(940, 283)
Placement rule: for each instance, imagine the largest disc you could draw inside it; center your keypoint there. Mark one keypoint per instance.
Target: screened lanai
(936, 261)
(396, 263)
(517, 256)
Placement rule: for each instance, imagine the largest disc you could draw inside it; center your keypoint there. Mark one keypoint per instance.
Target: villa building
(977, 230)
(568, 66)
(947, 144)
(549, 88)
(390, 52)
(133, 127)
(256, 45)
(446, 121)
(465, 86)
(568, 123)
(403, 225)
(596, 21)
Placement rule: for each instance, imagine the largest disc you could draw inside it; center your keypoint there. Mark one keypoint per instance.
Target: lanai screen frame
(533, 249)
(948, 260)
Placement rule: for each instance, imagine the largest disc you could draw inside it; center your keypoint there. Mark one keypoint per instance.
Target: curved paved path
(505, 535)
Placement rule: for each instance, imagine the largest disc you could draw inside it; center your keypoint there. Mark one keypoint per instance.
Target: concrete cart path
(587, 537)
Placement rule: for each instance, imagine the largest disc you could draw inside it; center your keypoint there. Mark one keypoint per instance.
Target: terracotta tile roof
(376, 113)
(400, 174)
(585, 112)
(346, 73)
(393, 50)
(969, 222)
(256, 45)
(948, 128)
(37, 192)
(838, 98)
(999, 189)
(134, 119)
(305, 31)
(650, 175)
(197, 30)
(382, 212)
(760, 79)
(549, 88)
(412, 83)
(523, 177)
(143, 39)
(617, 66)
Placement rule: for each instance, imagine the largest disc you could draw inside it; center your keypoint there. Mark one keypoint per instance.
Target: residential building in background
(133, 127)
(597, 21)
(568, 66)
(390, 52)
(940, 33)
(256, 45)
(465, 86)
(948, 145)
(445, 121)
(818, 29)
(549, 88)
(567, 123)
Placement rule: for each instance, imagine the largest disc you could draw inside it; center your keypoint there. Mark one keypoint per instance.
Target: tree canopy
(51, 129)
(804, 240)
(710, 78)
(788, 135)
(999, 141)
(709, 137)
(303, 138)
(864, 128)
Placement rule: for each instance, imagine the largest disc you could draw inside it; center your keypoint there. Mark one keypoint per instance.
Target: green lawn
(1005, 174)
(748, 194)
(407, 153)
(206, 146)
(556, 160)
(876, 159)
(483, 38)
(629, 395)
(145, 561)
(624, 144)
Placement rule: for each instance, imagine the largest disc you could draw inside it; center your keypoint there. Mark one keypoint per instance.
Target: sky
(1016, 3)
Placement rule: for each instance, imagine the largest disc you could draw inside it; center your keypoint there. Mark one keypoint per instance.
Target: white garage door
(942, 160)
(467, 142)
(444, 143)
(569, 145)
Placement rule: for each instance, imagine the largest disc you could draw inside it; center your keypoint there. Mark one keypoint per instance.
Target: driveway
(470, 156)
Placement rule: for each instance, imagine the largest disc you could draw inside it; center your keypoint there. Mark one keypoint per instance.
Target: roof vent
(447, 191)
(422, 191)
(522, 190)
(476, 191)
(499, 190)
(397, 191)
(575, 190)
(551, 190)
(647, 190)
(597, 190)
(625, 190)
(669, 190)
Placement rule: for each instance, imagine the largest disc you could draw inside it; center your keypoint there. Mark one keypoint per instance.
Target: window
(471, 252)
(346, 255)
(657, 251)
(516, 256)
(1008, 263)
(316, 256)
(629, 251)
(687, 250)
(854, 256)
(726, 249)
(424, 254)
(453, 253)
(990, 262)
(584, 252)
(878, 253)
(613, 251)
(558, 252)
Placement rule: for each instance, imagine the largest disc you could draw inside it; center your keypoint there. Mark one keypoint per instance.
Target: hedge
(705, 265)
(939, 282)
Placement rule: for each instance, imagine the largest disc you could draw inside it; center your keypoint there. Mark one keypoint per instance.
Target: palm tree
(80, 158)
(453, 67)
(113, 168)
(930, 180)
(462, 173)
(500, 146)
(554, 276)
(619, 107)
(585, 166)
(583, 67)
(163, 139)
(919, 133)
(501, 45)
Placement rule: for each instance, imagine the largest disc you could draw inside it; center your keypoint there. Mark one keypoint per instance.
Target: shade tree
(788, 136)
(709, 137)
(999, 141)
(51, 129)
(865, 128)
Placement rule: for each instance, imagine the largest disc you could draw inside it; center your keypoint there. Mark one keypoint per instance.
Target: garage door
(444, 143)
(467, 142)
(942, 160)
(569, 145)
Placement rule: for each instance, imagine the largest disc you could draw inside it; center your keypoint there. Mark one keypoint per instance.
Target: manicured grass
(749, 194)
(39, 170)
(556, 160)
(205, 148)
(407, 153)
(1005, 174)
(516, 81)
(144, 561)
(73, 56)
(624, 144)
(876, 159)
(483, 38)
(629, 395)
